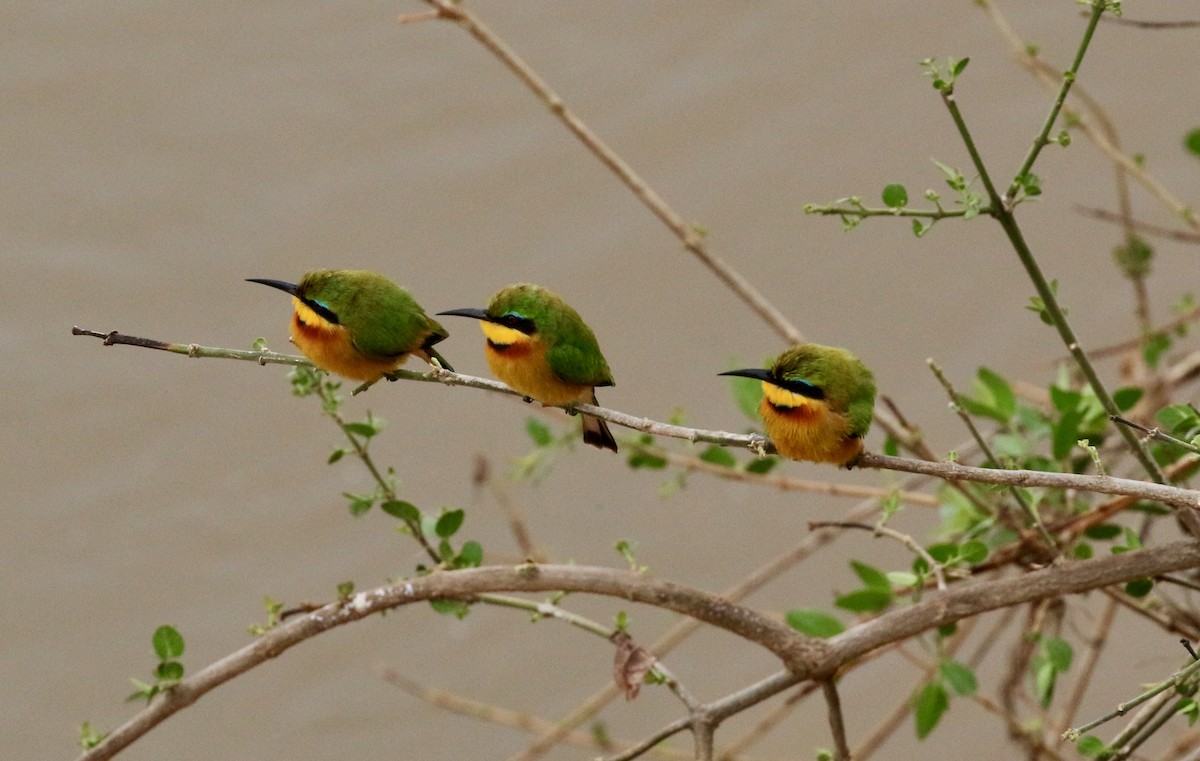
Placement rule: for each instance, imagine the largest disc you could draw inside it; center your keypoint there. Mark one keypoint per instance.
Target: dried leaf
(630, 665)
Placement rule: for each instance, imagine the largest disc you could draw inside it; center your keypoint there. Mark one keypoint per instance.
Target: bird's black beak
(478, 314)
(751, 372)
(280, 284)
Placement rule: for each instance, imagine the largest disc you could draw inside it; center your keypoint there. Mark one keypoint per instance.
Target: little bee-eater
(358, 324)
(538, 345)
(817, 403)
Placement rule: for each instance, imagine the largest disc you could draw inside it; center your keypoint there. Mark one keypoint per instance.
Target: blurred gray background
(158, 153)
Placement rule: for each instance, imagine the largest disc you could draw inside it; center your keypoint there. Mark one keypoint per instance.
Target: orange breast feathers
(806, 429)
(520, 361)
(328, 347)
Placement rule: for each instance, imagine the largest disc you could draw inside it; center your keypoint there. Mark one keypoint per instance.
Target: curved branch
(805, 658)
(940, 608)
(793, 649)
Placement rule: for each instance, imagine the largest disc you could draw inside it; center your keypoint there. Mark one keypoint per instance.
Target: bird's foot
(849, 464)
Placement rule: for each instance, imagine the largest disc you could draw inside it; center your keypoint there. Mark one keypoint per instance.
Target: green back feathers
(848, 386)
(571, 348)
(382, 318)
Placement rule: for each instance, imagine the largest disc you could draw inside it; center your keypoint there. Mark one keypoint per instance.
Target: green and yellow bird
(358, 324)
(538, 345)
(817, 403)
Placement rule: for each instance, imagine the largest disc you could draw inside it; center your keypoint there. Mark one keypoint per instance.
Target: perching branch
(1186, 500)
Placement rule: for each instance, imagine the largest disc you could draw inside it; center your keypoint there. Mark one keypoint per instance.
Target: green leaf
(973, 552)
(1139, 587)
(761, 465)
(872, 577)
(1002, 398)
(539, 432)
(362, 429)
(336, 455)
(142, 691)
(448, 523)
(1102, 531)
(814, 623)
(88, 737)
(1090, 746)
(345, 589)
(1044, 680)
(864, 600)
(405, 511)
(1190, 708)
(1066, 433)
(902, 579)
(471, 555)
(931, 702)
(891, 445)
(168, 643)
(943, 552)
(1083, 551)
(1155, 347)
(960, 677)
(456, 608)
(169, 672)
(895, 196)
(1058, 652)
(644, 460)
(1191, 141)
(1126, 397)
(747, 394)
(359, 503)
(1064, 400)
(719, 456)
(1177, 417)
(957, 68)
(1134, 257)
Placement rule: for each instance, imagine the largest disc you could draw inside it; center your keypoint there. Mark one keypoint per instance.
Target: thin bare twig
(837, 724)
(692, 240)
(1138, 225)
(1051, 78)
(506, 717)
(881, 530)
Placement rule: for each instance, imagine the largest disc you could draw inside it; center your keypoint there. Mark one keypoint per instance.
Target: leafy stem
(359, 437)
(1043, 138)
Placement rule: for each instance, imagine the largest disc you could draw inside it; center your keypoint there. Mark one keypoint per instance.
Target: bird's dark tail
(595, 431)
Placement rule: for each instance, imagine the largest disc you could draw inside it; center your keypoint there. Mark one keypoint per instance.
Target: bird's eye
(803, 388)
(517, 322)
(321, 308)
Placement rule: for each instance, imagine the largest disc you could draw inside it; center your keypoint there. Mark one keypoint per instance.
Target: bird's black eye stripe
(517, 322)
(801, 387)
(321, 309)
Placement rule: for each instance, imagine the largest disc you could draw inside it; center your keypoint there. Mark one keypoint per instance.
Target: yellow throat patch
(781, 397)
(806, 429)
(503, 336)
(311, 318)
